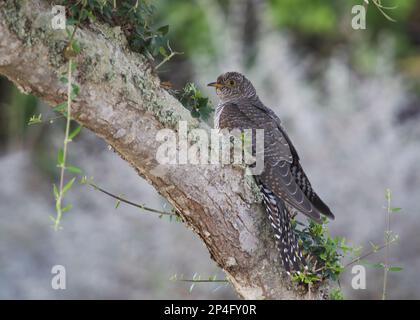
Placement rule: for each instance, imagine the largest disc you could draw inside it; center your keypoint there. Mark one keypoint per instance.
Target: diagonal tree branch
(121, 101)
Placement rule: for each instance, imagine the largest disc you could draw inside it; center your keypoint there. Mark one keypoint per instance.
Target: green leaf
(83, 180)
(60, 107)
(35, 119)
(75, 46)
(55, 190)
(91, 16)
(395, 269)
(60, 157)
(68, 185)
(67, 208)
(83, 14)
(68, 31)
(64, 80)
(74, 169)
(75, 90)
(374, 246)
(57, 209)
(73, 66)
(163, 52)
(163, 30)
(70, 22)
(395, 209)
(75, 132)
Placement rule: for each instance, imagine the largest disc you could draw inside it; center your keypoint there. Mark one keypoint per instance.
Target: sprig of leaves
(35, 119)
(192, 99)
(336, 294)
(133, 16)
(166, 55)
(323, 253)
(73, 90)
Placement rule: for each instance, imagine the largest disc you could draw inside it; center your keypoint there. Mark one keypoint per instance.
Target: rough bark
(122, 102)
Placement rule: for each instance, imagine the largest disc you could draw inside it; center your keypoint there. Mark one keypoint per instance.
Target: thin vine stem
(137, 205)
(370, 253)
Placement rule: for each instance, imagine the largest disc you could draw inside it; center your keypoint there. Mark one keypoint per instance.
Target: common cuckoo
(283, 183)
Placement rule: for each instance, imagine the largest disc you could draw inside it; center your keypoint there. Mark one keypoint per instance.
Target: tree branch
(122, 102)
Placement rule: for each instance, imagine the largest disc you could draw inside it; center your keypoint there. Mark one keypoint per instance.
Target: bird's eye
(232, 83)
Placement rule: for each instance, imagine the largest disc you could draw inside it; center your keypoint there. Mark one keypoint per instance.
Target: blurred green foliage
(189, 28)
(309, 17)
(135, 18)
(325, 21)
(320, 23)
(15, 109)
(323, 17)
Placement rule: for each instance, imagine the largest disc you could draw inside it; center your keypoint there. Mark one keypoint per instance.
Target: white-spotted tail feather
(280, 220)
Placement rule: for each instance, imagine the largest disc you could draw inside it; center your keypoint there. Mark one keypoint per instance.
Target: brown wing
(282, 173)
(246, 116)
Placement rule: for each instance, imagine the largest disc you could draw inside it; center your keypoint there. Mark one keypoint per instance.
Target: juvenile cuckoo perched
(284, 185)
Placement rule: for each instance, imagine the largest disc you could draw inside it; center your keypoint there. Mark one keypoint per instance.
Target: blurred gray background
(349, 100)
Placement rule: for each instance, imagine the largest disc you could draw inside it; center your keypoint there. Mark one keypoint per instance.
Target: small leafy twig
(70, 51)
(375, 250)
(167, 56)
(35, 119)
(390, 238)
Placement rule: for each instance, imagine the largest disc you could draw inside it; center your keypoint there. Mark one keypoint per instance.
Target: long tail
(280, 220)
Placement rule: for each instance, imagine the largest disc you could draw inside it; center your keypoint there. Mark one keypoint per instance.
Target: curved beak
(215, 84)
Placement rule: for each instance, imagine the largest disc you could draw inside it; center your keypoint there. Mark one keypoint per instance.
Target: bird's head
(232, 86)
